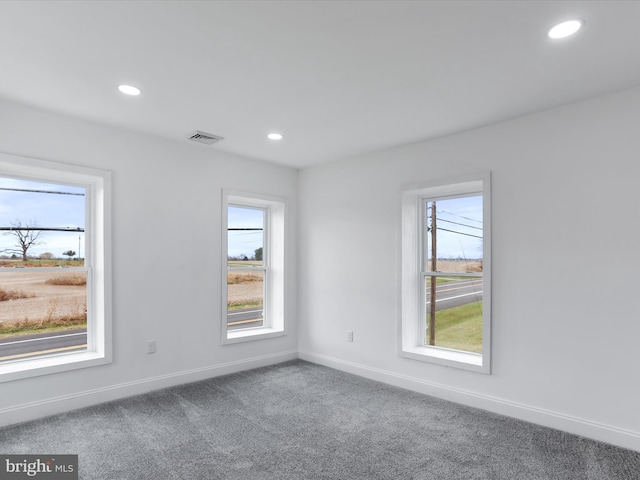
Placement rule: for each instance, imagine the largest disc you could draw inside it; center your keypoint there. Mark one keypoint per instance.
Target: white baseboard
(567, 423)
(66, 403)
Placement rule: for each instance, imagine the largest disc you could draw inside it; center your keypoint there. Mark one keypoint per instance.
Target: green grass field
(460, 328)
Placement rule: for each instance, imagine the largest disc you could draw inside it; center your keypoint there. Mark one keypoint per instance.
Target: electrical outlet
(350, 336)
(151, 346)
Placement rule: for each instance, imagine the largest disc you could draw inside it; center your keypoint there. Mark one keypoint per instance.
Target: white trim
(540, 416)
(62, 404)
(275, 240)
(445, 356)
(246, 335)
(412, 308)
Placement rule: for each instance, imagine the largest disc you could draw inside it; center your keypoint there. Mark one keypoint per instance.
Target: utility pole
(432, 296)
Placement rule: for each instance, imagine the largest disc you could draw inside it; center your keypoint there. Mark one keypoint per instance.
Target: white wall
(166, 259)
(566, 257)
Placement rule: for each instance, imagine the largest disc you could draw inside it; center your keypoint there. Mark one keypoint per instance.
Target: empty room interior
(365, 211)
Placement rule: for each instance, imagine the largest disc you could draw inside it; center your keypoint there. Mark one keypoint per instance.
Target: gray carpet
(298, 421)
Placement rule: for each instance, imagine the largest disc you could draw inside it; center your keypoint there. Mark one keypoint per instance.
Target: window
(253, 291)
(54, 270)
(245, 273)
(446, 273)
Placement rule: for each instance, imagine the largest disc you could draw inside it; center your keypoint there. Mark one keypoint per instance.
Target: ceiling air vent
(204, 137)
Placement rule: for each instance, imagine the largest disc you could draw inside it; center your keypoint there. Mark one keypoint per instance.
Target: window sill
(446, 357)
(250, 334)
(34, 367)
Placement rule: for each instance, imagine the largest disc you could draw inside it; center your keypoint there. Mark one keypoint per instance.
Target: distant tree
(69, 253)
(27, 236)
(46, 256)
(258, 253)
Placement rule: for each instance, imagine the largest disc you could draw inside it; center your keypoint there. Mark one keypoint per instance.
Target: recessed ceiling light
(129, 90)
(274, 136)
(565, 29)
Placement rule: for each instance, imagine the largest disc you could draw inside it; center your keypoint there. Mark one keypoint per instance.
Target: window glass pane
(245, 231)
(42, 311)
(245, 298)
(42, 223)
(454, 312)
(454, 245)
(456, 240)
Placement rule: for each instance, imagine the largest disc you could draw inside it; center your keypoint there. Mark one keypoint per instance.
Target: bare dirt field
(244, 288)
(244, 293)
(44, 301)
(459, 266)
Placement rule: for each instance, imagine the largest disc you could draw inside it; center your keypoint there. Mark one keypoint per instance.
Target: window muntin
(253, 280)
(75, 262)
(453, 326)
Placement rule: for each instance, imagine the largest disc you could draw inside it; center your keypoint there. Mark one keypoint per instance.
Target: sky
(242, 243)
(44, 210)
(458, 226)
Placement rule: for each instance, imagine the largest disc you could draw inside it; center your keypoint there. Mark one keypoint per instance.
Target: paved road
(42, 343)
(244, 318)
(456, 293)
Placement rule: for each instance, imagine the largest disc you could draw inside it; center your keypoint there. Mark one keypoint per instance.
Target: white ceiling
(336, 78)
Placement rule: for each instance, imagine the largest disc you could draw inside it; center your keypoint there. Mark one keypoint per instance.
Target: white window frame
(273, 255)
(97, 265)
(411, 330)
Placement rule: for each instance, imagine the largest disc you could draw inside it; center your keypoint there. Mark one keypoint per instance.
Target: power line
(245, 234)
(461, 216)
(460, 233)
(43, 229)
(40, 191)
(462, 224)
